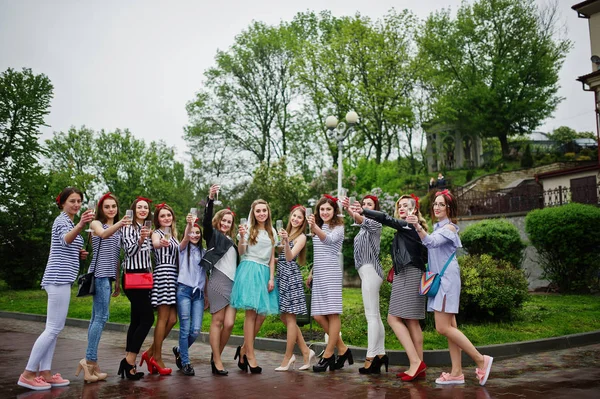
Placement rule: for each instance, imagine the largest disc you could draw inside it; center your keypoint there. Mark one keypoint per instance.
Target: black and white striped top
(106, 256)
(137, 258)
(63, 262)
(166, 255)
(366, 245)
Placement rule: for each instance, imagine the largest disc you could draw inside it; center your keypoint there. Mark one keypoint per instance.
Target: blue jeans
(190, 308)
(99, 316)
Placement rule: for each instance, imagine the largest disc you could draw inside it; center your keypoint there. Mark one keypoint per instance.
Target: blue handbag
(430, 281)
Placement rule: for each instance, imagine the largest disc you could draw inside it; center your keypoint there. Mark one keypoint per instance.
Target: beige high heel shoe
(87, 375)
(95, 369)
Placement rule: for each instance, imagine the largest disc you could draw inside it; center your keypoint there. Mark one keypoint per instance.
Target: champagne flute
(410, 208)
(278, 227)
(308, 215)
(148, 224)
(194, 213)
(217, 202)
(91, 206)
(350, 203)
(244, 222)
(167, 233)
(341, 195)
(129, 215)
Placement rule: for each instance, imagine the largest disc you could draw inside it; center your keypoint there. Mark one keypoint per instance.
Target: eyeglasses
(439, 204)
(194, 234)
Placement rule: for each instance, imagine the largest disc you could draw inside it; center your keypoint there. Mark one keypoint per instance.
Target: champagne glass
(244, 222)
(217, 202)
(91, 206)
(278, 227)
(148, 224)
(410, 208)
(341, 195)
(167, 233)
(308, 215)
(351, 202)
(194, 213)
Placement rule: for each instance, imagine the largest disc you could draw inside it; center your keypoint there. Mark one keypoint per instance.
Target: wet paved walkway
(572, 373)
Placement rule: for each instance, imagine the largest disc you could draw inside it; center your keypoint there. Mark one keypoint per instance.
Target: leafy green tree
(493, 70)
(25, 211)
(527, 159)
(563, 135)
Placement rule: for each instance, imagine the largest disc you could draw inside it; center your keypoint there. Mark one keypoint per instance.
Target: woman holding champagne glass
(164, 291)
(409, 256)
(254, 286)
(292, 301)
(106, 242)
(61, 271)
(221, 259)
(137, 249)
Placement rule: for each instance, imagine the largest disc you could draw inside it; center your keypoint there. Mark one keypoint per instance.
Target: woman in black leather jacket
(221, 259)
(407, 307)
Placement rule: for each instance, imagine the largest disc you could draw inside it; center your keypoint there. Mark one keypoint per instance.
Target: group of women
(249, 272)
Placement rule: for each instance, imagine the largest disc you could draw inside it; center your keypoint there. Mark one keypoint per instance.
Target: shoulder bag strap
(96, 256)
(447, 263)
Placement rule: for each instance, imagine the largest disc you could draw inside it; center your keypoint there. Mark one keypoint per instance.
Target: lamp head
(352, 117)
(596, 60)
(331, 122)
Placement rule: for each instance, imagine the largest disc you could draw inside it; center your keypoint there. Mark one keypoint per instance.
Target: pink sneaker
(483, 374)
(447, 379)
(37, 383)
(57, 381)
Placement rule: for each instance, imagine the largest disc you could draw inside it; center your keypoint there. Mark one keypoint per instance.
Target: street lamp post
(340, 131)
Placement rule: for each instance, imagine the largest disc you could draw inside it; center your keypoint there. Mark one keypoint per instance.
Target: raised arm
(385, 219)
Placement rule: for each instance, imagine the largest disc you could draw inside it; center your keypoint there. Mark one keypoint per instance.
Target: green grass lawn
(543, 316)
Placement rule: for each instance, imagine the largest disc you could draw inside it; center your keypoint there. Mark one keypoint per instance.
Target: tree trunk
(503, 137)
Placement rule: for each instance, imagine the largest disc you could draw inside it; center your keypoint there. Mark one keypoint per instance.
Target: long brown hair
(134, 204)
(100, 215)
(157, 225)
(422, 220)
(216, 222)
(335, 220)
(300, 231)
(268, 224)
(451, 205)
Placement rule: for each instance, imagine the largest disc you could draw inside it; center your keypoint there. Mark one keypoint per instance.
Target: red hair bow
(416, 200)
(58, 199)
(297, 206)
(105, 196)
(374, 198)
(160, 206)
(144, 199)
(330, 197)
(445, 193)
(232, 212)
(196, 225)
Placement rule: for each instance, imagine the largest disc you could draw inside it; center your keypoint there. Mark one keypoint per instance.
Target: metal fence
(523, 199)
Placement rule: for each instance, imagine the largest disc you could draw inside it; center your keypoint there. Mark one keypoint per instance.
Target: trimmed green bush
(568, 243)
(491, 289)
(497, 237)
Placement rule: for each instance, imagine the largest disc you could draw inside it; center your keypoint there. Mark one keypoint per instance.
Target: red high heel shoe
(161, 370)
(420, 370)
(146, 358)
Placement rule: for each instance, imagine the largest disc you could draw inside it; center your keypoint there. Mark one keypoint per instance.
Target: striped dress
(164, 291)
(289, 281)
(366, 245)
(106, 255)
(327, 273)
(63, 262)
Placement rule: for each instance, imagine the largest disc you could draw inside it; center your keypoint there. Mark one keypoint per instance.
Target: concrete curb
(431, 357)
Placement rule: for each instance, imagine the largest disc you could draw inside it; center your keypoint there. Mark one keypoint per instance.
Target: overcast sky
(135, 64)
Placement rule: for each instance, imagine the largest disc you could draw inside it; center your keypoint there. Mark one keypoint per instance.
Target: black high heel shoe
(324, 363)
(214, 368)
(125, 371)
(242, 366)
(374, 366)
(384, 360)
(253, 370)
(339, 364)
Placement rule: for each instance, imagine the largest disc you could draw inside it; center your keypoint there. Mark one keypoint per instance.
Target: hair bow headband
(445, 193)
(196, 225)
(58, 199)
(232, 212)
(372, 197)
(416, 200)
(144, 199)
(160, 206)
(297, 206)
(330, 197)
(105, 196)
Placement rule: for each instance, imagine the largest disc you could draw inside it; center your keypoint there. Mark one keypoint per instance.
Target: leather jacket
(217, 243)
(407, 248)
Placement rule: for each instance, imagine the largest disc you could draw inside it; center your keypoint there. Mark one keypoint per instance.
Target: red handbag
(390, 276)
(138, 281)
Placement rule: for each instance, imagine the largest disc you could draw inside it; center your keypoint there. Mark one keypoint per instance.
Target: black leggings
(142, 318)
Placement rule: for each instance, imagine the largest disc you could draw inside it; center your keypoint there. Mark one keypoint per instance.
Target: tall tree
(494, 68)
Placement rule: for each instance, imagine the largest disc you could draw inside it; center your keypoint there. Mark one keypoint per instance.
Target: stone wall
(530, 259)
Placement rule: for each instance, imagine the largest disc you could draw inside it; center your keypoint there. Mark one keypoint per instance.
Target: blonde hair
(298, 232)
(422, 220)
(268, 224)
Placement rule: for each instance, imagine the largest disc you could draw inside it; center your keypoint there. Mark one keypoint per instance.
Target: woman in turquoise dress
(254, 285)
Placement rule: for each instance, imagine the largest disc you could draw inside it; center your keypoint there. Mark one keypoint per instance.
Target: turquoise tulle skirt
(250, 289)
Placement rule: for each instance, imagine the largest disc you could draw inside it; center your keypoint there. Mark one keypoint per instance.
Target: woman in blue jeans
(191, 284)
(106, 243)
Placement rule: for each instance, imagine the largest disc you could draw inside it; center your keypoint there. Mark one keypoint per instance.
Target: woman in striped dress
(366, 261)
(137, 247)
(221, 258)
(164, 291)
(106, 240)
(254, 285)
(407, 307)
(292, 301)
(326, 279)
(61, 271)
